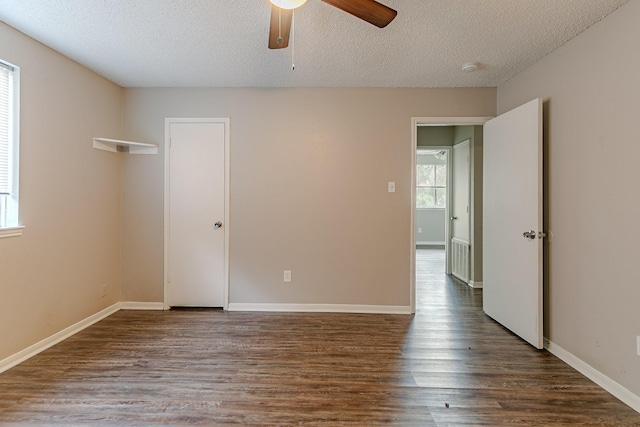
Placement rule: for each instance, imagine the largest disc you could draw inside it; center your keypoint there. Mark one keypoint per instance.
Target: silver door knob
(529, 235)
(453, 218)
(217, 225)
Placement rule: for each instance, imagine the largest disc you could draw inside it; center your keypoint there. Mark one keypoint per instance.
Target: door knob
(454, 217)
(217, 225)
(529, 235)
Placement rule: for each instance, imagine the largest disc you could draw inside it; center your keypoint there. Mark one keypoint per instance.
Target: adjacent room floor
(447, 365)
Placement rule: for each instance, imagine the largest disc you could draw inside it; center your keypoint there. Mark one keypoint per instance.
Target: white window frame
(9, 204)
(434, 187)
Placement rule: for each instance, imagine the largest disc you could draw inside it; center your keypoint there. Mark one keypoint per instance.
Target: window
(431, 182)
(9, 147)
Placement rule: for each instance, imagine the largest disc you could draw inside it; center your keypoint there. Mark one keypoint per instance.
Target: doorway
(443, 125)
(196, 213)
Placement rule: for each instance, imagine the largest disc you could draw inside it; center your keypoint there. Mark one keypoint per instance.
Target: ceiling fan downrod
(279, 40)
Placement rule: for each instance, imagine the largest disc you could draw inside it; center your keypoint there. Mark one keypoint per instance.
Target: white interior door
(460, 223)
(461, 185)
(512, 262)
(196, 270)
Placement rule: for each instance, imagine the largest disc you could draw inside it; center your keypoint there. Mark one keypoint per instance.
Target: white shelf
(115, 145)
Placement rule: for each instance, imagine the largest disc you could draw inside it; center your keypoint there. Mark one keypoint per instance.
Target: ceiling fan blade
(280, 27)
(369, 10)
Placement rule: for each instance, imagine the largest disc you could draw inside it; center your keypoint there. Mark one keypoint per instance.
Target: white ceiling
(223, 43)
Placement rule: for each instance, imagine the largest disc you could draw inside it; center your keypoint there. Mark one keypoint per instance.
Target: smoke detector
(470, 67)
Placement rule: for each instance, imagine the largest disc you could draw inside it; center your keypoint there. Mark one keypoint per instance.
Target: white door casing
(512, 263)
(196, 199)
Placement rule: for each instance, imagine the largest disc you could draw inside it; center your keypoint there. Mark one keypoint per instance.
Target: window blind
(6, 74)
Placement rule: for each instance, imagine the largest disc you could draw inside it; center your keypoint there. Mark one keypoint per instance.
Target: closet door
(196, 270)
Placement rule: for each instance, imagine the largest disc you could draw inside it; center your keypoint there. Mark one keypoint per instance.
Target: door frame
(428, 121)
(168, 121)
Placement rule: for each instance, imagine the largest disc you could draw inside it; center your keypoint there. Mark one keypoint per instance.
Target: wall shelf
(116, 145)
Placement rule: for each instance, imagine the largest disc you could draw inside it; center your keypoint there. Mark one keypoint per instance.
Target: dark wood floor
(447, 365)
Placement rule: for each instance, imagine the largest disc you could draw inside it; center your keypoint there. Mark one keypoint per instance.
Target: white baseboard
(431, 243)
(322, 308)
(56, 338)
(594, 375)
(133, 305)
(475, 285)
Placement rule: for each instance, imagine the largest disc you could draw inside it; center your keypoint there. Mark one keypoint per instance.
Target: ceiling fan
(282, 11)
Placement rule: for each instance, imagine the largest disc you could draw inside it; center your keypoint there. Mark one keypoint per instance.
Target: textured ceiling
(223, 43)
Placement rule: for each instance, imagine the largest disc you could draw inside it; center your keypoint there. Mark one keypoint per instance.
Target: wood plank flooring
(449, 365)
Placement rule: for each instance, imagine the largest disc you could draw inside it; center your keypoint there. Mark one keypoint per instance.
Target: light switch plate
(391, 187)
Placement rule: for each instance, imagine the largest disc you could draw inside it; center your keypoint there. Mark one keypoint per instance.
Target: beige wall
(593, 94)
(51, 277)
(309, 173)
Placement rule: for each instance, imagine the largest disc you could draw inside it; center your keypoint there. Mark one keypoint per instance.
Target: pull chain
(293, 39)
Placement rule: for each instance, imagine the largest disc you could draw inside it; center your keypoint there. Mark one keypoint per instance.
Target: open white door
(460, 224)
(512, 226)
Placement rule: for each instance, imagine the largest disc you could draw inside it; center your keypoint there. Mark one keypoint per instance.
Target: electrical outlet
(287, 276)
(103, 292)
(419, 230)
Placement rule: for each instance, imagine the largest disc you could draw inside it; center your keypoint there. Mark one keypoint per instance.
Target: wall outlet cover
(391, 187)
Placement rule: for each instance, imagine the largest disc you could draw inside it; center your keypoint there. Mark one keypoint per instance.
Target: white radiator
(460, 259)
